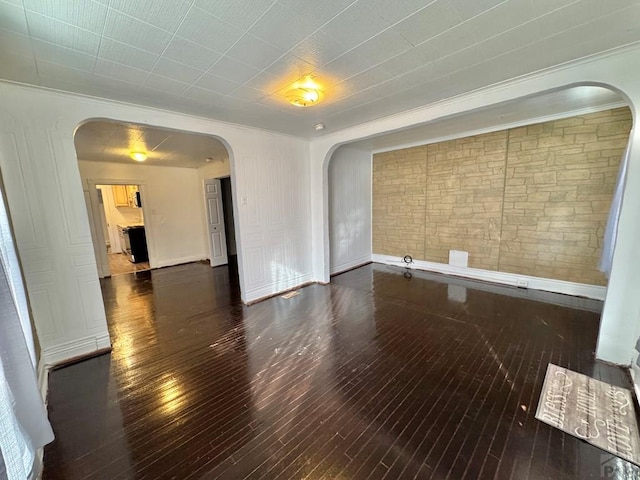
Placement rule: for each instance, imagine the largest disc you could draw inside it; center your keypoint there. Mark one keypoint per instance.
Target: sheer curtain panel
(24, 427)
(611, 230)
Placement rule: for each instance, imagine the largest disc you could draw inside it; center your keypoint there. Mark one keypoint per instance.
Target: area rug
(591, 410)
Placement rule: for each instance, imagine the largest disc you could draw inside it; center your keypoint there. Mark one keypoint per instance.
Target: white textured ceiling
(111, 141)
(108, 141)
(230, 59)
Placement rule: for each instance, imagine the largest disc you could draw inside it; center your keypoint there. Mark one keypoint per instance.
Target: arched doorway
(553, 104)
(145, 189)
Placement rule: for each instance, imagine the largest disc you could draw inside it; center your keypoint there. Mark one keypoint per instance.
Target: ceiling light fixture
(138, 156)
(304, 93)
(318, 126)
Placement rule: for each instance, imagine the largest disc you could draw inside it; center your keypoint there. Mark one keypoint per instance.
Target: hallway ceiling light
(139, 156)
(304, 93)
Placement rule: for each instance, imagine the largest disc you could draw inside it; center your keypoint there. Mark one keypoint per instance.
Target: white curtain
(611, 231)
(12, 267)
(24, 426)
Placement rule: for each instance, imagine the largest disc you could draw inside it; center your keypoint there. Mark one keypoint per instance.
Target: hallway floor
(381, 374)
(119, 264)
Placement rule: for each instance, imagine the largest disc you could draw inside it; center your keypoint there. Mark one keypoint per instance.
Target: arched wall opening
(176, 186)
(45, 195)
(451, 127)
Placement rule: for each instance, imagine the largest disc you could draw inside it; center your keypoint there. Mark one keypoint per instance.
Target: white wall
(173, 198)
(47, 205)
(349, 208)
(616, 69)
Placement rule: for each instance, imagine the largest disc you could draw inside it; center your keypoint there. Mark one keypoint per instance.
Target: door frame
(102, 262)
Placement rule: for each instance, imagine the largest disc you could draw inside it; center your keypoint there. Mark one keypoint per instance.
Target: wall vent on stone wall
(458, 258)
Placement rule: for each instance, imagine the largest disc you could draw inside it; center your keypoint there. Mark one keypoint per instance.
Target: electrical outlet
(243, 199)
(522, 284)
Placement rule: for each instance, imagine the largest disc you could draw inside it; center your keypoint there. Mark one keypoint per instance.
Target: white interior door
(215, 222)
(97, 235)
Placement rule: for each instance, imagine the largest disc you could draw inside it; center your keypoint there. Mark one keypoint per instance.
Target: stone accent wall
(532, 200)
(560, 180)
(400, 180)
(465, 185)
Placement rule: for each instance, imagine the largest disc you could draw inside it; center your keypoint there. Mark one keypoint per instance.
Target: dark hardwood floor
(378, 375)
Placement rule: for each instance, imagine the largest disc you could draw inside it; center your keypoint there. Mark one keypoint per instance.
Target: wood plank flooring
(119, 264)
(378, 375)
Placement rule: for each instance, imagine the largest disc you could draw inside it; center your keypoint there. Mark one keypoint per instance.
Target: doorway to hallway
(123, 227)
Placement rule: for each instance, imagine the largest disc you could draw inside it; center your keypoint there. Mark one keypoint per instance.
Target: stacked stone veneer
(399, 188)
(532, 200)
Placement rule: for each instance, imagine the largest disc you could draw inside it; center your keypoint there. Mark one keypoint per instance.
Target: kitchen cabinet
(121, 196)
(124, 195)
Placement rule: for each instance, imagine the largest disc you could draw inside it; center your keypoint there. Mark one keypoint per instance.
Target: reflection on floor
(376, 375)
(118, 263)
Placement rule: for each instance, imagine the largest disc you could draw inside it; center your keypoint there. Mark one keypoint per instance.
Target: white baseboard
(276, 288)
(342, 267)
(513, 279)
(76, 348)
(176, 261)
